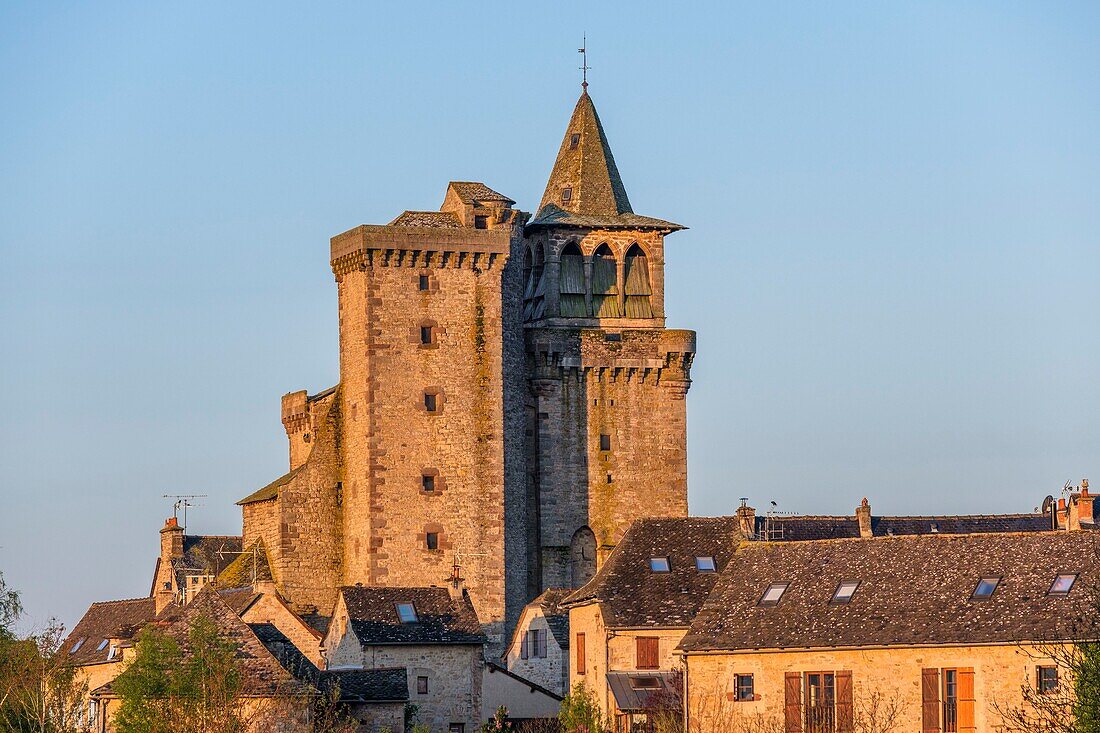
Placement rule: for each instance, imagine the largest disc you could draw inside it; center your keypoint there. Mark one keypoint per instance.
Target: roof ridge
(122, 600)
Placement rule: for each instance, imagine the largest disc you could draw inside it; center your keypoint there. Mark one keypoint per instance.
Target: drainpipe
(686, 694)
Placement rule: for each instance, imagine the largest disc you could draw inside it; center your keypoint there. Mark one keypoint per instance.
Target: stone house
(950, 629)
(434, 636)
(539, 648)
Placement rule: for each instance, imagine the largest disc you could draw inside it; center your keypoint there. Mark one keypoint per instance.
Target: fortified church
(510, 399)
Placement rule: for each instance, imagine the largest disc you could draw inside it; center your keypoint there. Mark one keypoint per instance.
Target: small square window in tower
(425, 282)
(431, 402)
(605, 442)
(481, 222)
(427, 335)
(431, 540)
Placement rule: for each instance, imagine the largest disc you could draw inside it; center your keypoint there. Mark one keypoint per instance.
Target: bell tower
(606, 411)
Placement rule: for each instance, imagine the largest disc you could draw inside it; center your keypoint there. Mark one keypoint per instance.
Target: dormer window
(659, 565)
(845, 591)
(407, 613)
(773, 594)
(566, 194)
(985, 588)
(1062, 584)
(705, 564)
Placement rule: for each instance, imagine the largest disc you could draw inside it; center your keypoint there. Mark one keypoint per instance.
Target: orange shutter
(792, 702)
(580, 653)
(845, 720)
(930, 699)
(966, 700)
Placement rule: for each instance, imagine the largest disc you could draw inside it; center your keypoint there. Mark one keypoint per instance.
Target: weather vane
(584, 67)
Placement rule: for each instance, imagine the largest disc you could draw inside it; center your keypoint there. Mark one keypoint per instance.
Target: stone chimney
(746, 516)
(863, 516)
(1080, 507)
(171, 547)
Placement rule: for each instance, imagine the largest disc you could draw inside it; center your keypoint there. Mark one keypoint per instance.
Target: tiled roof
(912, 590)
(473, 191)
(434, 219)
(288, 655)
(441, 620)
(367, 685)
(246, 569)
(634, 596)
(557, 616)
(317, 622)
(272, 489)
(799, 528)
(205, 555)
(597, 197)
(104, 621)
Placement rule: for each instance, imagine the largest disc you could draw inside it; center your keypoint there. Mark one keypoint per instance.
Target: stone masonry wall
(391, 440)
(551, 671)
(454, 675)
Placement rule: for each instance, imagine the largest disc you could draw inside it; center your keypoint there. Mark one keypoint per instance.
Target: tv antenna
(182, 501)
(456, 578)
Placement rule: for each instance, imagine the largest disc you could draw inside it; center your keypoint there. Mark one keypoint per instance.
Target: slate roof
(373, 615)
(598, 198)
(633, 596)
(367, 685)
(473, 191)
(272, 489)
(434, 219)
(288, 655)
(206, 555)
(557, 616)
(913, 590)
(107, 620)
(800, 528)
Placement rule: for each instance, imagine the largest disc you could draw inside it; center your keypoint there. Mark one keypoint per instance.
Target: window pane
(773, 594)
(1063, 584)
(406, 612)
(705, 564)
(845, 591)
(985, 588)
(659, 564)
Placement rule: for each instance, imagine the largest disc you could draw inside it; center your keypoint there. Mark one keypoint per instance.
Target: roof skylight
(984, 590)
(772, 595)
(645, 683)
(79, 643)
(845, 591)
(407, 613)
(1062, 584)
(103, 645)
(659, 565)
(705, 564)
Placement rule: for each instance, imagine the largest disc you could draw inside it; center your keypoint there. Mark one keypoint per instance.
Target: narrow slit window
(985, 589)
(421, 685)
(1062, 584)
(773, 594)
(427, 334)
(574, 141)
(567, 194)
(659, 565)
(705, 564)
(431, 402)
(407, 613)
(427, 482)
(425, 282)
(431, 540)
(845, 591)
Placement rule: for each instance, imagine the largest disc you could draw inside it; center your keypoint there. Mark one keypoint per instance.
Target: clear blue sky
(892, 263)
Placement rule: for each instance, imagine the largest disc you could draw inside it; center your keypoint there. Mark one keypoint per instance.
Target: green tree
(580, 712)
(499, 723)
(165, 690)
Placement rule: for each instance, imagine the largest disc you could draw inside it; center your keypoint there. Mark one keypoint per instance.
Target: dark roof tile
(441, 619)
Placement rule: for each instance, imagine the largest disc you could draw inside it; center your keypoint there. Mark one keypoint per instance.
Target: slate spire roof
(585, 189)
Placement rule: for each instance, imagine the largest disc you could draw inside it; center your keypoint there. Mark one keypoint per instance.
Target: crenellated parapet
(371, 246)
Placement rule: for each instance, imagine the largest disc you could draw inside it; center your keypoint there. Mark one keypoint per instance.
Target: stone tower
(606, 415)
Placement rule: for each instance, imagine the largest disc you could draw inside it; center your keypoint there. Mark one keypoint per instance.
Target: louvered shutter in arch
(930, 700)
(636, 284)
(966, 700)
(792, 702)
(845, 717)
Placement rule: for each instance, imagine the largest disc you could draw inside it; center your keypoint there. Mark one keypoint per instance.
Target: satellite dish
(1047, 504)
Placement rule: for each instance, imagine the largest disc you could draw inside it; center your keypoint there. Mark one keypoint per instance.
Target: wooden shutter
(523, 645)
(930, 699)
(792, 702)
(580, 654)
(541, 642)
(646, 654)
(845, 720)
(966, 700)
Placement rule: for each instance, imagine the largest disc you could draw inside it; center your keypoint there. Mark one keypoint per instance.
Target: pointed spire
(584, 187)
